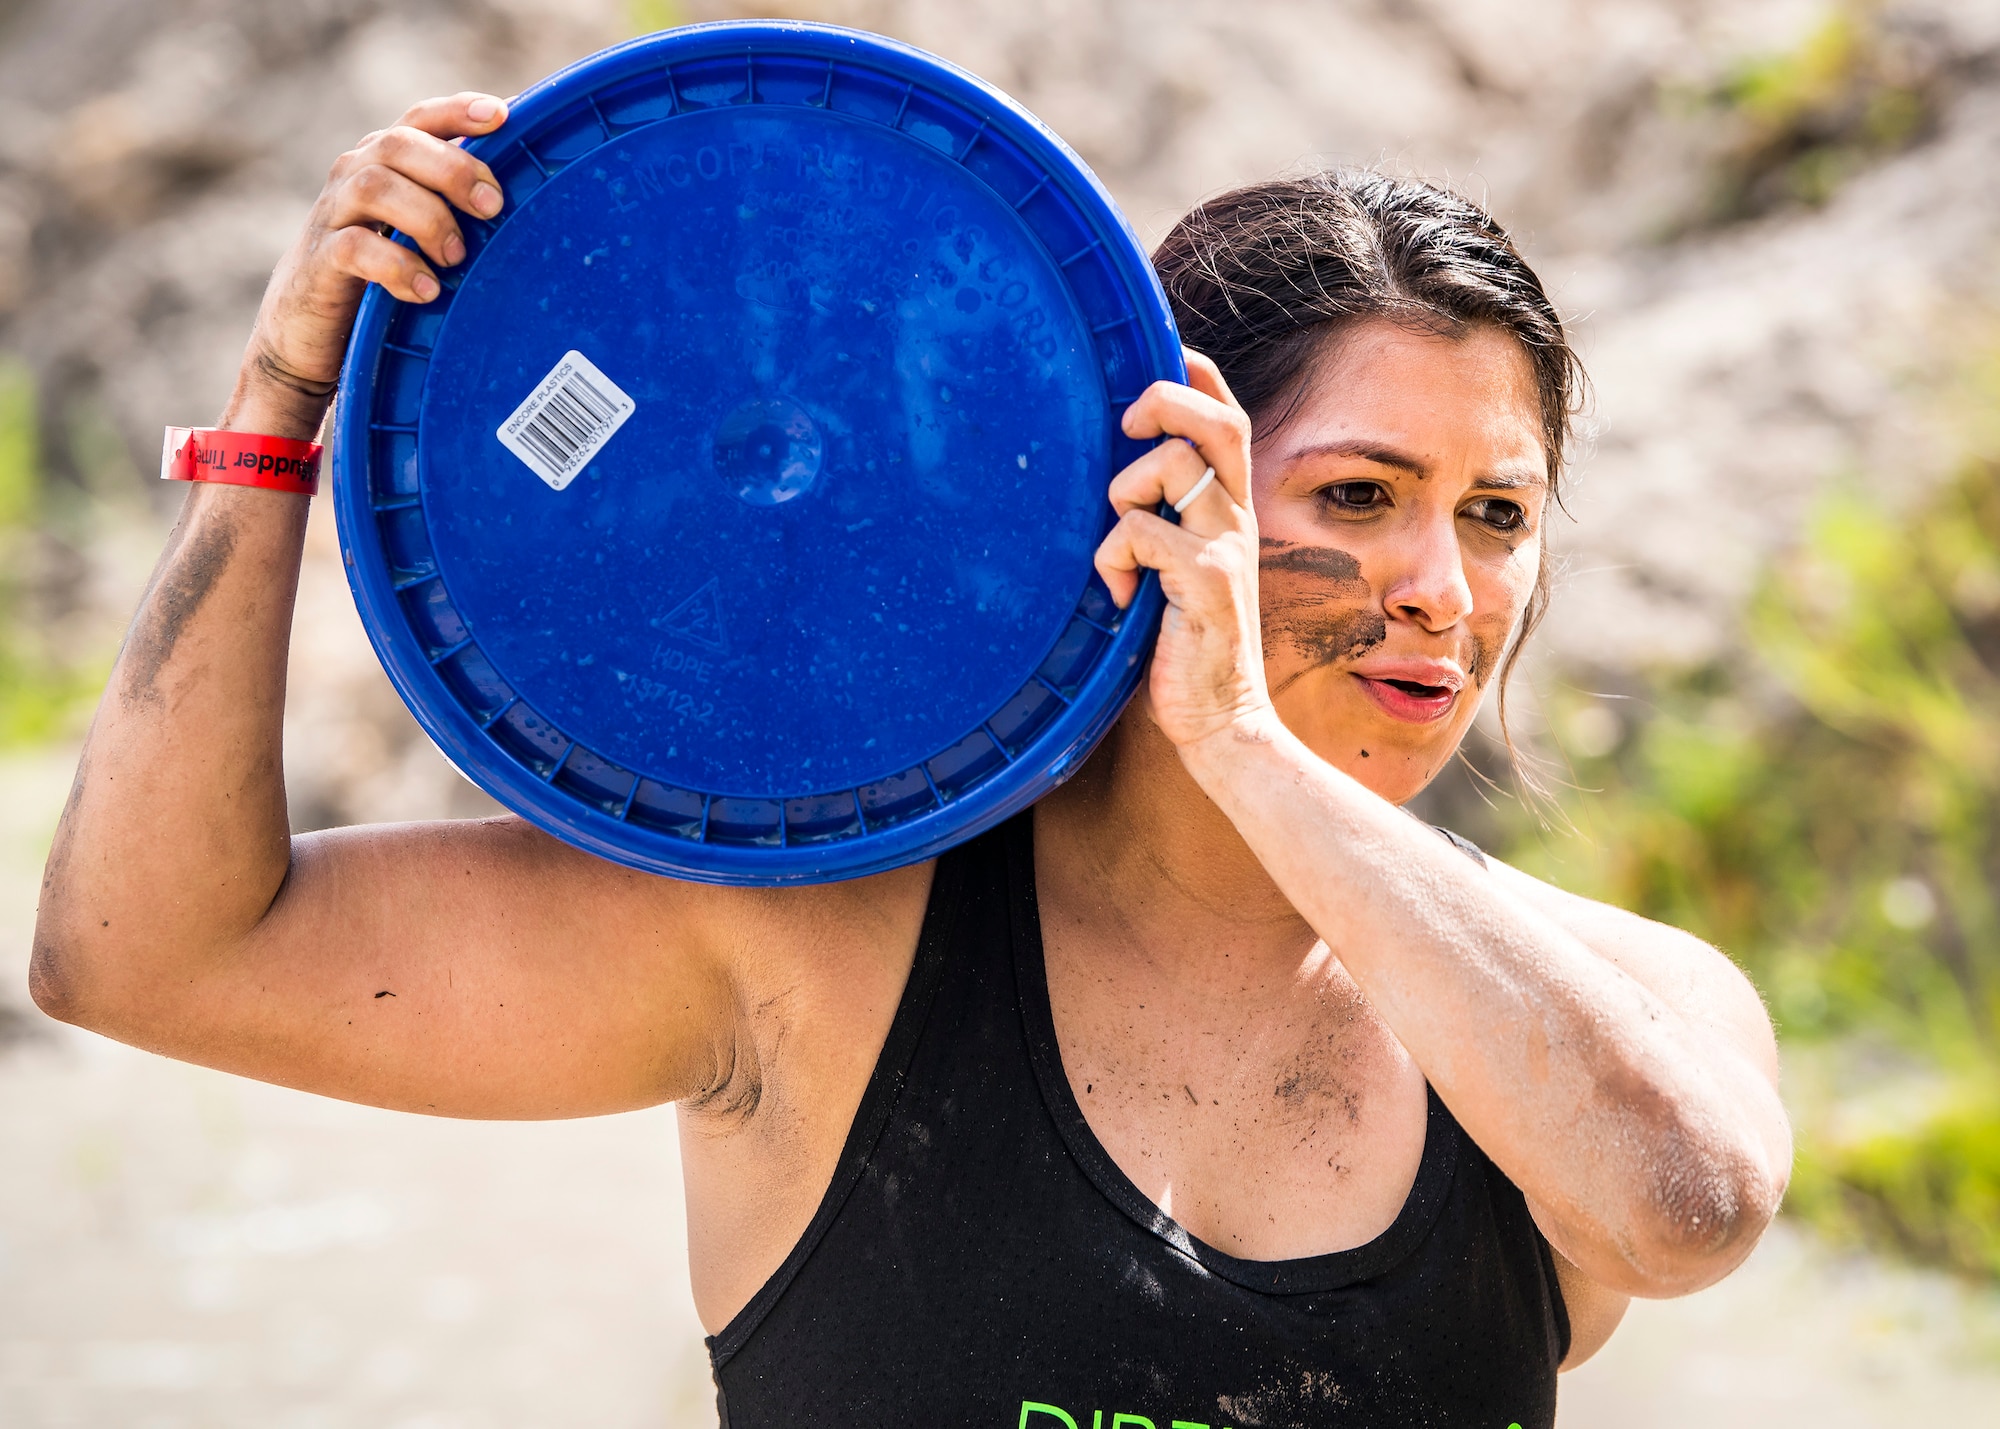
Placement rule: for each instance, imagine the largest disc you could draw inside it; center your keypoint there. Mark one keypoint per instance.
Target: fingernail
(454, 249)
(485, 199)
(426, 287)
(481, 110)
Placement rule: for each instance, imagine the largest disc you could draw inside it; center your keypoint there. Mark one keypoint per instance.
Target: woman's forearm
(176, 836)
(1623, 1123)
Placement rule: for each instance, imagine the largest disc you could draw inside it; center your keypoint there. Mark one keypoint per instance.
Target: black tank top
(979, 1261)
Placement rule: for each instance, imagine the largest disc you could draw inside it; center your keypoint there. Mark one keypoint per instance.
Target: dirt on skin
(181, 1247)
(1317, 608)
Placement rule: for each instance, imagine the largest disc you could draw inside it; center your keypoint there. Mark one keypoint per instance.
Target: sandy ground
(180, 1249)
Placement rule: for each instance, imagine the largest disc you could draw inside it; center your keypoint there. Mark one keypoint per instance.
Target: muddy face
(1317, 609)
(1400, 507)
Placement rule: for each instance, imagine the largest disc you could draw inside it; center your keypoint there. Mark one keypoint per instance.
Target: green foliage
(643, 17)
(1800, 123)
(1785, 91)
(20, 457)
(1929, 1185)
(1827, 809)
(41, 687)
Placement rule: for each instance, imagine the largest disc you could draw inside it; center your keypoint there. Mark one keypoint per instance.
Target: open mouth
(1411, 701)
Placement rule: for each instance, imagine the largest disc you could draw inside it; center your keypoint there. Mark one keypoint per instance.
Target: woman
(1218, 1092)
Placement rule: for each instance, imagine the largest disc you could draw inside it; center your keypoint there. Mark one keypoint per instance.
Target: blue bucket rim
(1051, 756)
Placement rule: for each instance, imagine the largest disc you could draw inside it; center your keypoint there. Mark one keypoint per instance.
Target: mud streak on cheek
(1488, 645)
(1483, 656)
(1328, 563)
(1315, 600)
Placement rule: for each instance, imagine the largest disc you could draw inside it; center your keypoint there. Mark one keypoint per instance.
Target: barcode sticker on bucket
(566, 420)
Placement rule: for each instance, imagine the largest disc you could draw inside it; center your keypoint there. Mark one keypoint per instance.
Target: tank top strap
(1304, 1275)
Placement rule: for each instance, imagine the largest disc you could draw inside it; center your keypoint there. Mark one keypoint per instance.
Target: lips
(1416, 695)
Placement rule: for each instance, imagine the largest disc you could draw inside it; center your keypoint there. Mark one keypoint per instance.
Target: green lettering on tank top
(1034, 1409)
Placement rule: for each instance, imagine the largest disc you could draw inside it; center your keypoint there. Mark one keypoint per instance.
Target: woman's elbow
(62, 977)
(1707, 1209)
(70, 974)
(50, 978)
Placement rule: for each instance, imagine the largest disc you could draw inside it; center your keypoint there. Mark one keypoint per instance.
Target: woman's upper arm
(1593, 1311)
(1690, 976)
(1730, 1029)
(477, 969)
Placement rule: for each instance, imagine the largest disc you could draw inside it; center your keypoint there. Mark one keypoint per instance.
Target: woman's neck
(1133, 849)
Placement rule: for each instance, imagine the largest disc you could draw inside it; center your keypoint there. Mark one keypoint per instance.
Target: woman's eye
(1500, 515)
(1354, 496)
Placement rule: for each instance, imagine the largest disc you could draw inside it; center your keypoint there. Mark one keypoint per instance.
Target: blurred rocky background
(1767, 703)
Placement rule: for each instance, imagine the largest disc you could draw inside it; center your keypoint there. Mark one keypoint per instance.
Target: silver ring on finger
(1195, 491)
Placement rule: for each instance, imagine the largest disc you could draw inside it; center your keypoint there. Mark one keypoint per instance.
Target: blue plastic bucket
(730, 513)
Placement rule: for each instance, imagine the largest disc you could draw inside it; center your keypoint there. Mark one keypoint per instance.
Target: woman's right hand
(408, 177)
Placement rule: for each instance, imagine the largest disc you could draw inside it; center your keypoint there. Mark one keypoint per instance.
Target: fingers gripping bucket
(730, 513)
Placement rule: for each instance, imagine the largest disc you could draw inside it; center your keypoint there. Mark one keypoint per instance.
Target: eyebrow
(1503, 479)
(1367, 451)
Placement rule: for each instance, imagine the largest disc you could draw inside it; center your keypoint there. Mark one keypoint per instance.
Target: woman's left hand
(1207, 675)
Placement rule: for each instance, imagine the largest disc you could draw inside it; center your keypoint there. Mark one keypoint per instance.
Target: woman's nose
(1429, 587)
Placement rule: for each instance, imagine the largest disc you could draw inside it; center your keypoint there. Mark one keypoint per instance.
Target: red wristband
(240, 459)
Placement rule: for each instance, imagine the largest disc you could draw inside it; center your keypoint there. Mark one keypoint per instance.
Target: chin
(1402, 757)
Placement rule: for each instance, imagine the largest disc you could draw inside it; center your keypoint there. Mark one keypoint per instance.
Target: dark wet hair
(1261, 277)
